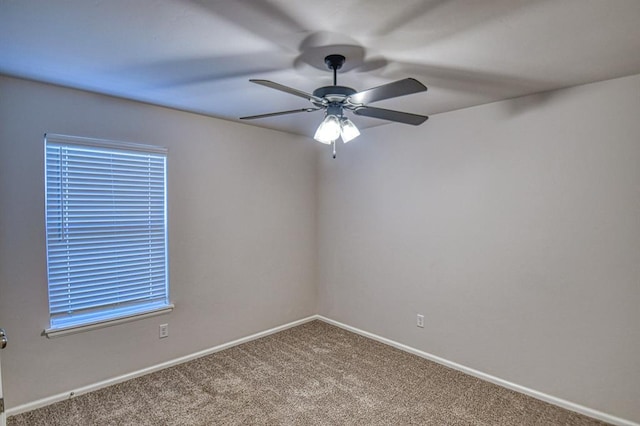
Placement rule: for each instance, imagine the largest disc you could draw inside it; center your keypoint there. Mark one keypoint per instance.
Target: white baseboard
(599, 415)
(484, 376)
(119, 379)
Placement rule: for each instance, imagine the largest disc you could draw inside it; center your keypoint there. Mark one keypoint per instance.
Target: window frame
(125, 314)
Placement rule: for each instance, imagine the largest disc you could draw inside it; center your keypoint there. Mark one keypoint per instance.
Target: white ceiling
(198, 55)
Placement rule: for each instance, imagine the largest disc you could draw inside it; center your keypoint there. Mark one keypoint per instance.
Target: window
(106, 231)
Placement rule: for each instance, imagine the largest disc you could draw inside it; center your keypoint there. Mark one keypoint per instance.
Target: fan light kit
(335, 100)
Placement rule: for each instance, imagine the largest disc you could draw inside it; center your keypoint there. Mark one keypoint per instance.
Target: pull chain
(334, 148)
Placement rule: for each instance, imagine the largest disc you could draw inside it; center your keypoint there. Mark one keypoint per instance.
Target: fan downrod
(334, 62)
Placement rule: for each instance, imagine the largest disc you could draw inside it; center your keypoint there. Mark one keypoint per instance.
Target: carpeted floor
(313, 374)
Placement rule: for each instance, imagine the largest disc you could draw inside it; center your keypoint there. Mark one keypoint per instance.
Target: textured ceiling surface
(199, 55)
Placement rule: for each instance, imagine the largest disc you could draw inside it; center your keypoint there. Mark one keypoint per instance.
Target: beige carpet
(313, 374)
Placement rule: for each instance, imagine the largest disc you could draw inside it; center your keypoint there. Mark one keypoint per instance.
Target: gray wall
(513, 227)
(242, 205)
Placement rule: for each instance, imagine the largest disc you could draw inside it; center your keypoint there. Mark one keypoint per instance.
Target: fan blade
(289, 90)
(387, 114)
(273, 114)
(387, 91)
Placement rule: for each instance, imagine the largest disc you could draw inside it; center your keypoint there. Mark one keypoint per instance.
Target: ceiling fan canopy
(335, 100)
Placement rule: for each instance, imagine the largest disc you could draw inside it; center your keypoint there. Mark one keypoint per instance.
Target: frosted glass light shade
(349, 130)
(329, 130)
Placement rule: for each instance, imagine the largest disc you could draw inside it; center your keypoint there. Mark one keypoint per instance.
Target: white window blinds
(106, 230)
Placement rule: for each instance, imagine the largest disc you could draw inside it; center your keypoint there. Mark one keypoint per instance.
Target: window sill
(63, 331)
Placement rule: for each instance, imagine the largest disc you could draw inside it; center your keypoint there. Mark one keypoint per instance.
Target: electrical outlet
(164, 330)
(420, 321)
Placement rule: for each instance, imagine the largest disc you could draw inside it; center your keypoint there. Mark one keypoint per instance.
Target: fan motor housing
(334, 93)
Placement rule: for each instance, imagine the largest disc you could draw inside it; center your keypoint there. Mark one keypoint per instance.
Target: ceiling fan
(336, 99)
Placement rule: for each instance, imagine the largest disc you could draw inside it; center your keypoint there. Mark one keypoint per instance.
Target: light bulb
(329, 130)
(349, 130)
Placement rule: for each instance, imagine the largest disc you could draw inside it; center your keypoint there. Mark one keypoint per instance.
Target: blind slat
(61, 301)
(123, 289)
(85, 267)
(89, 304)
